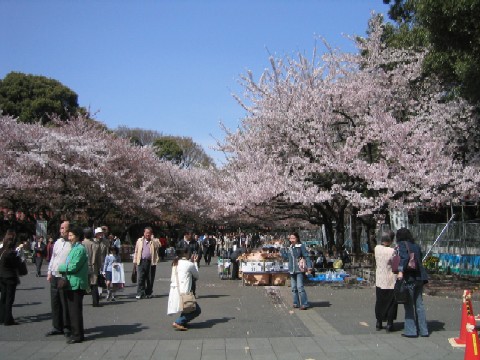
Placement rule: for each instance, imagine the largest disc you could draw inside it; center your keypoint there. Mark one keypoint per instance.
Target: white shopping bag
(118, 274)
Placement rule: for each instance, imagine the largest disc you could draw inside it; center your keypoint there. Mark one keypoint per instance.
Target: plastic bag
(401, 291)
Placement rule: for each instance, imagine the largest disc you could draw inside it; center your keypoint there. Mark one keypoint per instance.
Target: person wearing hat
(97, 249)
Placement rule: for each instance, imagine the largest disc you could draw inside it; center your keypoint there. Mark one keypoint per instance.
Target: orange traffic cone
(472, 348)
(466, 311)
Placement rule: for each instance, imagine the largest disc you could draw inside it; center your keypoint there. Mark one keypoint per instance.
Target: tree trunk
(340, 229)
(356, 233)
(371, 228)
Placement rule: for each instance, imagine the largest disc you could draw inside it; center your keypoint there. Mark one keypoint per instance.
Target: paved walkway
(237, 322)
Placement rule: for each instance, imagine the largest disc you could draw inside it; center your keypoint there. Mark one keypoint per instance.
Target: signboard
(41, 228)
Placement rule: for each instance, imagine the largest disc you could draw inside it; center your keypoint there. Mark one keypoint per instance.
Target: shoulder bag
(62, 281)
(300, 260)
(302, 264)
(395, 260)
(188, 303)
(412, 263)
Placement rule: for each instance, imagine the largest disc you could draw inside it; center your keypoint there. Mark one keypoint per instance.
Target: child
(112, 261)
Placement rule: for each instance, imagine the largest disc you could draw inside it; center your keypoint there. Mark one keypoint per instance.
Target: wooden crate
(279, 279)
(256, 279)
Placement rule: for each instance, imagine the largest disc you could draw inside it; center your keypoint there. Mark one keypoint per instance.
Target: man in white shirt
(60, 318)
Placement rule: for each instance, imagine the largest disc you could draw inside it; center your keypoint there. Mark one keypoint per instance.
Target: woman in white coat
(187, 270)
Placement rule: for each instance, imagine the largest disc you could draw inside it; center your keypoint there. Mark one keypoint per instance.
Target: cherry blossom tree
(357, 133)
(79, 166)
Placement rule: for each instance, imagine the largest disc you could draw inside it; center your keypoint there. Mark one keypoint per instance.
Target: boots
(379, 326)
(389, 327)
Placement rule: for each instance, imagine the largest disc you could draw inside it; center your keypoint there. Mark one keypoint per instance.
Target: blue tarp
(460, 264)
(333, 277)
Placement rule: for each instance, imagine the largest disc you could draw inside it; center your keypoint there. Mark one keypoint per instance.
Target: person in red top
(163, 247)
(49, 249)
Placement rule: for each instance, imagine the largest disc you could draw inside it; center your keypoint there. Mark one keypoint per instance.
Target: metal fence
(460, 238)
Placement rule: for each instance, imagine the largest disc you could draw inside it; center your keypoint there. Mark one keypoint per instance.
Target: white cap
(98, 230)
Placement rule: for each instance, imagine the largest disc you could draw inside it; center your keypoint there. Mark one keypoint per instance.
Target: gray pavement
(237, 322)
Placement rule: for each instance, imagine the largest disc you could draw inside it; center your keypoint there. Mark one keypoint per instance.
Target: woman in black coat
(9, 265)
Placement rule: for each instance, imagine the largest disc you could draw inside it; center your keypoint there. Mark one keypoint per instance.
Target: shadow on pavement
(31, 288)
(109, 331)
(27, 304)
(315, 304)
(34, 318)
(211, 296)
(435, 325)
(209, 323)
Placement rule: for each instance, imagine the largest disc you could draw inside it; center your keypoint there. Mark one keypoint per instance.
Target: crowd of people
(88, 262)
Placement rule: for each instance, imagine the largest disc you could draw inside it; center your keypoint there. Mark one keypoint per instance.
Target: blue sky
(169, 66)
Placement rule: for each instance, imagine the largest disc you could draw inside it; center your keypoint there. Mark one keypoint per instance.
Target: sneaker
(138, 297)
(179, 327)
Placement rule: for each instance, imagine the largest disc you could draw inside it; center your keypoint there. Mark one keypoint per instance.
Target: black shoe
(97, 305)
(425, 335)
(54, 332)
(73, 341)
(379, 326)
(389, 328)
(11, 323)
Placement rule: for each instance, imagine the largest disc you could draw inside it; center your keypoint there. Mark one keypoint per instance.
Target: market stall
(263, 268)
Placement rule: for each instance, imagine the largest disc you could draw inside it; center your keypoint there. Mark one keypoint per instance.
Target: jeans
(415, 318)
(185, 318)
(298, 291)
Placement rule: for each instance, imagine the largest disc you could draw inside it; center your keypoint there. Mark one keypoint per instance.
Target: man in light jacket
(146, 259)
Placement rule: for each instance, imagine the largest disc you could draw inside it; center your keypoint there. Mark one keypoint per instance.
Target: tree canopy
(357, 132)
(451, 29)
(167, 148)
(32, 98)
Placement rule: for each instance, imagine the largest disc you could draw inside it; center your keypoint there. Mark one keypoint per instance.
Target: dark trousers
(58, 300)
(162, 252)
(235, 269)
(146, 277)
(95, 295)
(207, 257)
(8, 287)
(385, 305)
(75, 312)
(38, 263)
